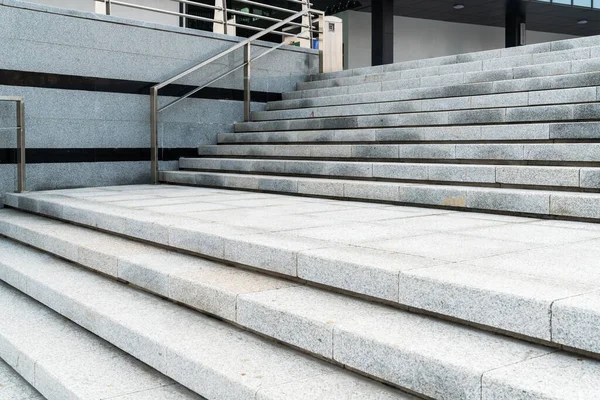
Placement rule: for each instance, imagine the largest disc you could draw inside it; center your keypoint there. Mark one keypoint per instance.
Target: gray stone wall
(46, 41)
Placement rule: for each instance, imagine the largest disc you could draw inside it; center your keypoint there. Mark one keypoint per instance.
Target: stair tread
(62, 359)
(539, 152)
(208, 356)
(553, 113)
(457, 134)
(572, 177)
(429, 254)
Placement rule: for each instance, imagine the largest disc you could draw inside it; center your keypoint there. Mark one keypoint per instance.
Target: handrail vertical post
(310, 25)
(247, 58)
(108, 6)
(21, 187)
(225, 17)
(154, 136)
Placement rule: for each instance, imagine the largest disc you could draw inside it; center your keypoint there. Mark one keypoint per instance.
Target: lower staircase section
(278, 306)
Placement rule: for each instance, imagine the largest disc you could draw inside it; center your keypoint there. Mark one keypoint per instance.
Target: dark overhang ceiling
(541, 16)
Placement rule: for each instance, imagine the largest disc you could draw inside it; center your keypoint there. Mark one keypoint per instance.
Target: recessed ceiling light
(459, 6)
(582, 21)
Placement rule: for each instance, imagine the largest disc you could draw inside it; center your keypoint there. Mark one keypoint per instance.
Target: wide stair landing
(177, 292)
(506, 131)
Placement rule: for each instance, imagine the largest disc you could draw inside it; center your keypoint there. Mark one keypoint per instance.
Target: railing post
(247, 58)
(154, 136)
(310, 25)
(321, 43)
(108, 6)
(21, 186)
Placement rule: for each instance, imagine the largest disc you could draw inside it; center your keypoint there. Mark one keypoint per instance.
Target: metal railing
(20, 128)
(222, 13)
(284, 27)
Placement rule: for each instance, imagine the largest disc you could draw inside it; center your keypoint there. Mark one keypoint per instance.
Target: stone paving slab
(64, 361)
(516, 201)
(210, 357)
(414, 258)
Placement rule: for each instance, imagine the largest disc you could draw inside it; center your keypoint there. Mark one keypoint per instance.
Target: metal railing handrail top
(11, 98)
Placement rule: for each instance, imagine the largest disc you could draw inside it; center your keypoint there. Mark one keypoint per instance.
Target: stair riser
(558, 113)
(521, 132)
(492, 175)
(539, 203)
(522, 65)
(521, 99)
(550, 153)
(477, 89)
(549, 47)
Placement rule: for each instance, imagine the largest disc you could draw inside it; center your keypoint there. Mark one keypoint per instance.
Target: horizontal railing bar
(192, 92)
(14, 128)
(228, 51)
(254, 28)
(192, 3)
(255, 3)
(158, 10)
(263, 17)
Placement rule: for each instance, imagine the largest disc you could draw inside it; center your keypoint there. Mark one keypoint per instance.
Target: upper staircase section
(509, 130)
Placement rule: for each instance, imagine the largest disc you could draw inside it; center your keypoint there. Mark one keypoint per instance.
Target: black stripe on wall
(74, 82)
(51, 156)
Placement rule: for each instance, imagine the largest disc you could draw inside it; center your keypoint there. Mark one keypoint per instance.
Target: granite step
(208, 356)
(576, 205)
(498, 115)
(478, 102)
(255, 301)
(397, 91)
(554, 72)
(527, 65)
(563, 131)
(14, 387)
(59, 358)
(388, 343)
(540, 153)
(541, 48)
(573, 178)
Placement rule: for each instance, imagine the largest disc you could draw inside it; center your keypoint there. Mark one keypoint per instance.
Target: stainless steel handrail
(306, 27)
(20, 128)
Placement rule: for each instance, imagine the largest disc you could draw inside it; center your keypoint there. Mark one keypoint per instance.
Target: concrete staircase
(266, 305)
(507, 131)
